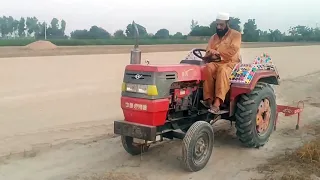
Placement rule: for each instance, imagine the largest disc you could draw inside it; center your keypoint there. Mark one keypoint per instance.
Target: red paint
(181, 93)
(289, 111)
(185, 72)
(154, 115)
(237, 89)
(203, 77)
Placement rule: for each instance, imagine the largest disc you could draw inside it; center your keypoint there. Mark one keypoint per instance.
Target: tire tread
(244, 115)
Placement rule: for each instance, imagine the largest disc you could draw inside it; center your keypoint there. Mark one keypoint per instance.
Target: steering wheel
(197, 53)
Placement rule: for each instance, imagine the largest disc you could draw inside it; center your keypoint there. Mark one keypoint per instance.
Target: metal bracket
(289, 111)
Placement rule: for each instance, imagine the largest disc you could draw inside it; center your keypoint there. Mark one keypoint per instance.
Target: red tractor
(164, 101)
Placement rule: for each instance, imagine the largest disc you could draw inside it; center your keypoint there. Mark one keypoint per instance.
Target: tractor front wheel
(131, 147)
(197, 146)
(255, 115)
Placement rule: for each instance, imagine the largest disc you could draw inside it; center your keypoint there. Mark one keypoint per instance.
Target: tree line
(31, 27)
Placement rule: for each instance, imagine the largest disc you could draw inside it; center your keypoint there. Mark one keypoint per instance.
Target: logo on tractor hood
(138, 76)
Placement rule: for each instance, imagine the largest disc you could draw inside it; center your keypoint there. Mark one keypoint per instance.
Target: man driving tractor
(224, 45)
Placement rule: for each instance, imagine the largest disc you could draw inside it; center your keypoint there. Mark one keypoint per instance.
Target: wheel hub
(263, 116)
(201, 148)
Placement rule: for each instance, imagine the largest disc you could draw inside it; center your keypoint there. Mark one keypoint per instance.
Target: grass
(301, 164)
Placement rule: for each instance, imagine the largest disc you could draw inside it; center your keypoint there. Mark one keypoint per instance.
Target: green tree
(193, 24)
(22, 27)
(275, 35)
(130, 31)
(10, 25)
(54, 24)
(250, 31)
(302, 32)
(162, 34)
(119, 34)
(32, 25)
(150, 36)
(213, 26)
(56, 30)
(6, 25)
(316, 34)
(201, 31)
(15, 26)
(264, 36)
(63, 26)
(235, 23)
(80, 34)
(53, 30)
(98, 33)
(95, 32)
(178, 35)
(40, 30)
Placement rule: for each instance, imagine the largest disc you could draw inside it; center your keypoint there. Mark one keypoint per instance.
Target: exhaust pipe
(135, 52)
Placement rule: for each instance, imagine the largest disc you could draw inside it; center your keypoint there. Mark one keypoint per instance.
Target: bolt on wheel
(263, 117)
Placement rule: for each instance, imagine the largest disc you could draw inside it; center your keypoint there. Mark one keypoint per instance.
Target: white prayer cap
(223, 16)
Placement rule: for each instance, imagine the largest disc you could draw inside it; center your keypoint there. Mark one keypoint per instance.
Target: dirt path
(48, 104)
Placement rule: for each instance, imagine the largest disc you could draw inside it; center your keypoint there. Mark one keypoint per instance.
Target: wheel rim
(201, 148)
(263, 117)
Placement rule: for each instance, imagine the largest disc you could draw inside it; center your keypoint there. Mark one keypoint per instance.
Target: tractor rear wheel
(197, 146)
(255, 115)
(131, 147)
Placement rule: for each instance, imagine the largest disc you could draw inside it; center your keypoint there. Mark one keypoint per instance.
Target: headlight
(150, 90)
(138, 88)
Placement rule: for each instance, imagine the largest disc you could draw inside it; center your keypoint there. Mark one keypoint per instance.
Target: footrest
(219, 112)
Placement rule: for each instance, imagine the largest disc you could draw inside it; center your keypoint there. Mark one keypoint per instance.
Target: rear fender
(270, 77)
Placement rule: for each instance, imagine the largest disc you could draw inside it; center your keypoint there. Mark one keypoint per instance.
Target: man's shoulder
(214, 36)
(235, 32)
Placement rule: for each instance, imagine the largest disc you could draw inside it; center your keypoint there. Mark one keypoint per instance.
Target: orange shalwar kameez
(217, 83)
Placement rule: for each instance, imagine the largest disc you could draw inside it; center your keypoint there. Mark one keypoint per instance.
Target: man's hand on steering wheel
(209, 56)
(213, 52)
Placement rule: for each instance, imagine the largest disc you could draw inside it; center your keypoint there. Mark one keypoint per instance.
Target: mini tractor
(164, 101)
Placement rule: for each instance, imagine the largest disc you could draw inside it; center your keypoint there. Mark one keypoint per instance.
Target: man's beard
(222, 32)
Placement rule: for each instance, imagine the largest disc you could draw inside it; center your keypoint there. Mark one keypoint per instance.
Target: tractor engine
(152, 95)
(182, 98)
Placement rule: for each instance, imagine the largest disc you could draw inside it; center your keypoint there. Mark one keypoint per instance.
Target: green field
(85, 42)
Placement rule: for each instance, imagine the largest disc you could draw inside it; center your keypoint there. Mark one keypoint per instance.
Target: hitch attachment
(289, 111)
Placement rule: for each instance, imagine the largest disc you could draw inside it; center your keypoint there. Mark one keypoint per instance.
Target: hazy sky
(175, 15)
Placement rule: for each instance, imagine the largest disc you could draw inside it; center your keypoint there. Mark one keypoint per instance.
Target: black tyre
(131, 147)
(255, 115)
(197, 146)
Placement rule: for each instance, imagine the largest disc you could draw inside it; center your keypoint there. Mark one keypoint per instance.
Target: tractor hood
(183, 72)
(154, 81)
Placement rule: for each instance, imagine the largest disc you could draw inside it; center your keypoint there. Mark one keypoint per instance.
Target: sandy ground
(115, 49)
(57, 113)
